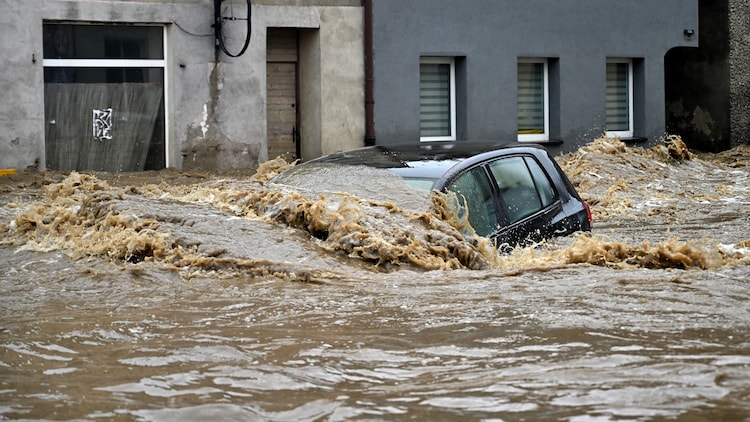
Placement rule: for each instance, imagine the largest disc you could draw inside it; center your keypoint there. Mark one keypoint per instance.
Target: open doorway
(697, 83)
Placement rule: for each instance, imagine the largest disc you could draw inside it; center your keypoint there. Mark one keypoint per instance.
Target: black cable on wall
(218, 24)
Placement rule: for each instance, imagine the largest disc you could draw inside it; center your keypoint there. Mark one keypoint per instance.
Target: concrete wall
(219, 114)
(216, 110)
(233, 107)
(332, 83)
(342, 79)
(21, 113)
(489, 35)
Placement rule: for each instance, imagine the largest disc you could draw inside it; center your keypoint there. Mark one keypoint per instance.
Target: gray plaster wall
(489, 35)
(216, 110)
(332, 83)
(22, 119)
(342, 80)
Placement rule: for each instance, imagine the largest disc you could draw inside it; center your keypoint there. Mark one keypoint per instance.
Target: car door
(477, 200)
(526, 197)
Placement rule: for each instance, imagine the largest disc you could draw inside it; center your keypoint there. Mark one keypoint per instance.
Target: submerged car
(513, 193)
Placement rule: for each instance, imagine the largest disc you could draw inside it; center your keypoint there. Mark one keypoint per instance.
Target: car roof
(429, 160)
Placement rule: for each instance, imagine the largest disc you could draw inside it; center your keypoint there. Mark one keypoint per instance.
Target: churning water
(169, 296)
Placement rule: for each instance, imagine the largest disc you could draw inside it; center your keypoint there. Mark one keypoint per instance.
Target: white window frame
(624, 133)
(128, 63)
(452, 62)
(536, 137)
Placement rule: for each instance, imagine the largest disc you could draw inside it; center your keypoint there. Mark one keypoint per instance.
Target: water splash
(85, 215)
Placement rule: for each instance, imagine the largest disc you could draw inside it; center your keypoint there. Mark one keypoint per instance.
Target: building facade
(559, 73)
(118, 85)
(130, 85)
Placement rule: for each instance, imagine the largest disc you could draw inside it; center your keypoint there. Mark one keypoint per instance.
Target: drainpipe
(369, 77)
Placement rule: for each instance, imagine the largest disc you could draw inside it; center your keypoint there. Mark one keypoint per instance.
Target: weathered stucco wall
(332, 83)
(21, 112)
(225, 128)
(219, 105)
(342, 79)
(22, 138)
(739, 68)
(216, 110)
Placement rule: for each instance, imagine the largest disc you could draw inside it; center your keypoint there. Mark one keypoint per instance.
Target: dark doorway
(282, 93)
(697, 85)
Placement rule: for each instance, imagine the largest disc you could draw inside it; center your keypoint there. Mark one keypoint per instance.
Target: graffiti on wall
(102, 126)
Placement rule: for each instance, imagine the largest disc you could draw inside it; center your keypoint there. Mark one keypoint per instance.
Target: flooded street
(188, 297)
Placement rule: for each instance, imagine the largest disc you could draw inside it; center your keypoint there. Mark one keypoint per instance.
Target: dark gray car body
(475, 171)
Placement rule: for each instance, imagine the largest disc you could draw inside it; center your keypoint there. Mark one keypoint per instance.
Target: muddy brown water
(170, 296)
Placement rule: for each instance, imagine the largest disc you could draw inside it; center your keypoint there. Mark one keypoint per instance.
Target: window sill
(547, 142)
(634, 140)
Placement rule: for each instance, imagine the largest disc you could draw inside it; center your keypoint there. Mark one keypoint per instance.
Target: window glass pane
(435, 99)
(530, 98)
(472, 187)
(104, 119)
(516, 188)
(543, 184)
(103, 75)
(66, 41)
(618, 97)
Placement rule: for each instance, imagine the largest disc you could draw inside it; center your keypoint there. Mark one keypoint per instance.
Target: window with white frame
(619, 98)
(437, 94)
(533, 100)
(104, 97)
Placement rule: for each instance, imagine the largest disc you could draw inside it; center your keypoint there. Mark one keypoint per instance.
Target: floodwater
(176, 297)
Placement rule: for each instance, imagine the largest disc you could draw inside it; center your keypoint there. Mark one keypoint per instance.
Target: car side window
(516, 185)
(543, 184)
(473, 188)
